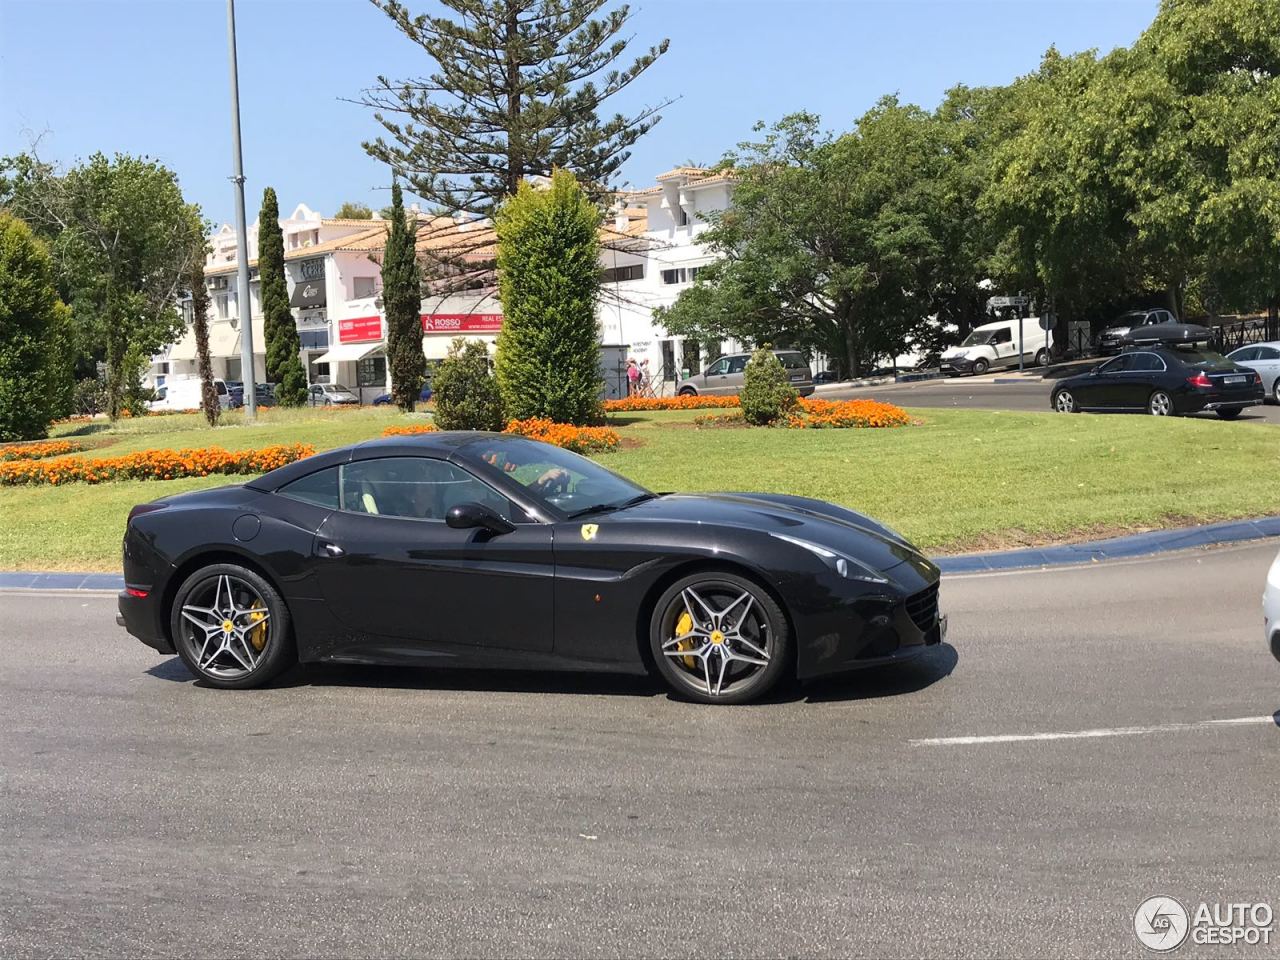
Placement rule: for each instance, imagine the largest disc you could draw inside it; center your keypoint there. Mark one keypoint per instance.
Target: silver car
(1264, 359)
(727, 375)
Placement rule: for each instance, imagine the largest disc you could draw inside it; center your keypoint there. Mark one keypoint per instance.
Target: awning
(185, 348)
(345, 352)
(308, 293)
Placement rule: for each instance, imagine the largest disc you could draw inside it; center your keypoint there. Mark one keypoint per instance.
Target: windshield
(564, 481)
(1130, 319)
(977, 338)
(337, 388)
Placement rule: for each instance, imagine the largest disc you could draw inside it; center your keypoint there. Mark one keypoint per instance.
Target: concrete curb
(1136, 545)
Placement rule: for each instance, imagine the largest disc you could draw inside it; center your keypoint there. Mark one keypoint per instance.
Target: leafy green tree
(351, 210)
(122, 239)
(402, 299)
(767, 394)
(464, 389)
(283, 347)
(209, 402)
(31, 315)
(829, 243)
(548, 360)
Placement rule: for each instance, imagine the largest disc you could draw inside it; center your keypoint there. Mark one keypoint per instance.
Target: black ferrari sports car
(487, 550)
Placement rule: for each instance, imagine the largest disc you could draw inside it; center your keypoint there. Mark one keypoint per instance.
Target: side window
(418, 488)
(1118, 365)
(1003, 335)
(738, 364)
(320, 488)
(1245, 355)
(1268, 353)
(717, 368)
(1146, 361)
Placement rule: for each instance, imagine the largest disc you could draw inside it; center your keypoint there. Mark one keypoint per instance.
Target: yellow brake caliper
(258, 635)
(683, 626)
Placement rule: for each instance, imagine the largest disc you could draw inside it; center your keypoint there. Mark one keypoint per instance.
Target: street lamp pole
(242, 270)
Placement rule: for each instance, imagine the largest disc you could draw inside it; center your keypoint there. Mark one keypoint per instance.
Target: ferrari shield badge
(589, 530)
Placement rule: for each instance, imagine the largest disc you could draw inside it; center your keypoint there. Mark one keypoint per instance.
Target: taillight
(142, 508)
(135, 592)
(1201, 379)
(1257, 378)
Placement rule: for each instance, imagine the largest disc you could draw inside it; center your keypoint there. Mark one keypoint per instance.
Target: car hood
(952, 352)
(827, 525)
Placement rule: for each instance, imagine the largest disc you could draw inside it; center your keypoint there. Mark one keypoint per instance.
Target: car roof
(1260, 343)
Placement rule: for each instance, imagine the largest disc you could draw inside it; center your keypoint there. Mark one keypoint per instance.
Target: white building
(333, 268)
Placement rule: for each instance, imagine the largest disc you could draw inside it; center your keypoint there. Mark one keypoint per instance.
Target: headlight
(848, 567)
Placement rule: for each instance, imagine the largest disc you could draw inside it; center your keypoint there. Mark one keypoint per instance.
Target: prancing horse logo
(589, 530)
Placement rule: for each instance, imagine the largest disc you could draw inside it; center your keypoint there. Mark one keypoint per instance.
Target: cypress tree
(209, 402)
(402, 304)
(548, 362)
(284, 368)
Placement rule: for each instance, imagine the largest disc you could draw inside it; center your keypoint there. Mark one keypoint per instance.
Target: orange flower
(409, 429)
(41, 448)
(815, 413)
(634, 404)
(577, 439)
(152, 465)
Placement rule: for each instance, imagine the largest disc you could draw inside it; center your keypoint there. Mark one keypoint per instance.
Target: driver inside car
(552, 482)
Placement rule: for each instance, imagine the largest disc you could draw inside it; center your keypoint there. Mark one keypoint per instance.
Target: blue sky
(150, 76)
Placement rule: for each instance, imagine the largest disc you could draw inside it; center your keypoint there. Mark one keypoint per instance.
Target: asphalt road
(378, 812)
(982, 394)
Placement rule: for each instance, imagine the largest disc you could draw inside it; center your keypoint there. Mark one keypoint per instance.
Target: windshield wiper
(610, 507)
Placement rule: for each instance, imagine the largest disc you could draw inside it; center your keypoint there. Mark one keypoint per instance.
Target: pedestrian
(633, 377)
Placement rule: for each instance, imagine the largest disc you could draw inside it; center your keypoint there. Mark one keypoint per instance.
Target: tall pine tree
(548, 362)
(284, 368)
(402, 303)
(515, 91)
(210, 405)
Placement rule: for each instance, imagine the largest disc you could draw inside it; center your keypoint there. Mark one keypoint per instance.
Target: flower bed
(636, 404)
(409, 429)
(39, 449)
(813, 413)
(152, 465)
(577, 439)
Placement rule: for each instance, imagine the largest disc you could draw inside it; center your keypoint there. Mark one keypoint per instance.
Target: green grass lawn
(962, 480)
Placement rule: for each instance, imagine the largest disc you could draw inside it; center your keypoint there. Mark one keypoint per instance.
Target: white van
(995, 344)
(183, 393)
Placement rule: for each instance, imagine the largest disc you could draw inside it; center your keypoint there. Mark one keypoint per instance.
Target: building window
(633, 271)
(365, 287)
(680, 275)
(682, 217)
(669, 360)
(371, 372)
(220, 305)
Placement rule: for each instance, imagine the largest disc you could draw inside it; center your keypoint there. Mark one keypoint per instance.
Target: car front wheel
(231, 627)
(719, 638)
(1275, 390)
(980, 366)
(1160, 404)
(1065, 402)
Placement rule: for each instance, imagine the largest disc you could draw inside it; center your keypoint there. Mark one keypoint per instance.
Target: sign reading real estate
(461, 322)
(359, 329)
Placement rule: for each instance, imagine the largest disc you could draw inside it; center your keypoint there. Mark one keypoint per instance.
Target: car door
(1133, 387)
(736, 378)
(715, 379)
(391, 568)
(1268, 365)
(1006, 351)
(1107, 389)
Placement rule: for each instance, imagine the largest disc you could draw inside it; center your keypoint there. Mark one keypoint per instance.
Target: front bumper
(955, 365)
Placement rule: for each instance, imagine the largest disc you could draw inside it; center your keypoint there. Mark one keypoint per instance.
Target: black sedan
(1162, 381)
(486, 550)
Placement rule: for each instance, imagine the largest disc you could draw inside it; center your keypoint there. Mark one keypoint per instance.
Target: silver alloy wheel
(1275, 389)
(726, 637)
(1064, 402)
(226, 627)
(1042, 358)
(1160, 404)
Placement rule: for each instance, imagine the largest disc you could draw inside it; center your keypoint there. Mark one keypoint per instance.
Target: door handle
(332, 550)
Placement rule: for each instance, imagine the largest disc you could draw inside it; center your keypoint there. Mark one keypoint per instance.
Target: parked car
(328, 394)
(727, 375)
(459, 547)
(235, 391)
(1265, 359)
(1163, 381)
(995, 345)
(385, 398)
(265, 394)
(1110, 340)
(826, 376)
(184, 393)
(1271, 608)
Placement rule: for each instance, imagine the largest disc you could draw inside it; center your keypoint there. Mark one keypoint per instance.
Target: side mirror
(470, 515)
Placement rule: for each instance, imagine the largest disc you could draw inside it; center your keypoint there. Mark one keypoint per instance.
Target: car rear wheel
(1042, 357)
(688, 392)
(1275, 390)
(980, 366)
(1160, 404)
(719, 638)
(231, 627)
(1065, 402)
(1229, 413)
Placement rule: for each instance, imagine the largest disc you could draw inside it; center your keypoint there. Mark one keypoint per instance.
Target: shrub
(577, 439)
(151, 465)
(548, 361)
(767, 394)
(465, 391)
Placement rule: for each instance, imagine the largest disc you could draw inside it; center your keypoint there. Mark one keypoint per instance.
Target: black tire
(765, 623)
(1064, 401)
(277, 653)
(1229, 413)
(980, 366)
(1042, 358)
(1160, 404)
(1275, 390)
(688, 392)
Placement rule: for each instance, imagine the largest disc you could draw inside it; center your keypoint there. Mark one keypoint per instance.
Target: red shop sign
(359, 329)
(461, 322)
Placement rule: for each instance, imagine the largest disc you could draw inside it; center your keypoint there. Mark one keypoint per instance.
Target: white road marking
(1091, 734)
